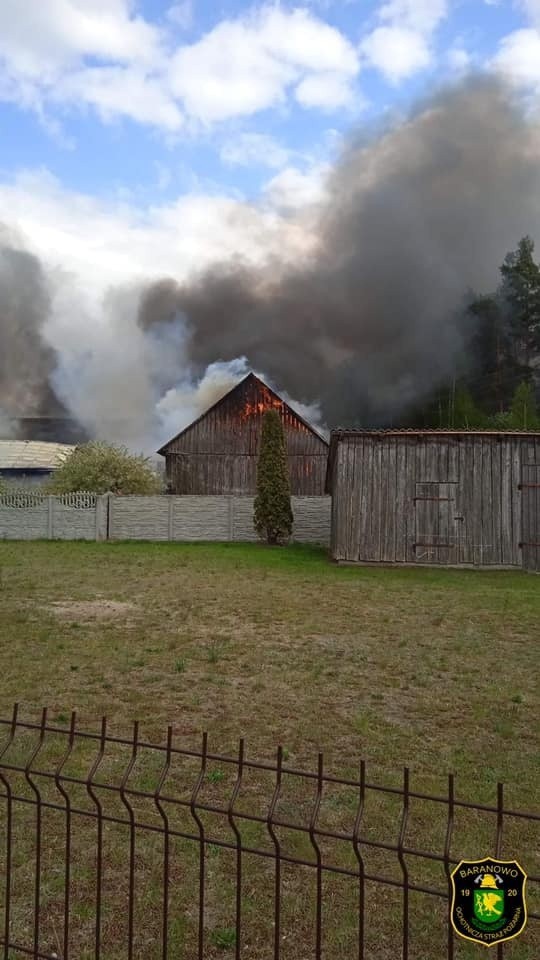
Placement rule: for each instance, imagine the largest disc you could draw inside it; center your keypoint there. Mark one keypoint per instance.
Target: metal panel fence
(118, 847)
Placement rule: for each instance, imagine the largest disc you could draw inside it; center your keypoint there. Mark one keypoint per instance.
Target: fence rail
(34, 763)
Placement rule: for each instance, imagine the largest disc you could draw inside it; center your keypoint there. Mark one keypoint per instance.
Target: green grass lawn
(433, 669)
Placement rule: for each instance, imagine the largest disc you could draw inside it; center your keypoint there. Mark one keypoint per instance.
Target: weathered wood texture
(218, 453)
(531, 513)
(436, 498)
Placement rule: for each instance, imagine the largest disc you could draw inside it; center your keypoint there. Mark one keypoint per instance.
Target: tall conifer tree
(273, 516)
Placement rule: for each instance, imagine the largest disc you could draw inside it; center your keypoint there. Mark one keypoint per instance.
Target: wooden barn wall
(340, 495)
(400, 500)
(209, 475)
(530, 479)
(218, 454)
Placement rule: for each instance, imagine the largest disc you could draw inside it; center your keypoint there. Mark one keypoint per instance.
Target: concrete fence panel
(243, 528)
(139, 518)
(201, 518)
(34, 516)
(75, 523)
(24, 523)
(78, 517)
(312, 519)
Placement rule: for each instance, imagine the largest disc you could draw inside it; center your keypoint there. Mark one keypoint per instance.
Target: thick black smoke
(26, 362)
(413, 219)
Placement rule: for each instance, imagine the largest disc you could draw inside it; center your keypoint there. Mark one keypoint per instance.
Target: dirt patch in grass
(87, 610)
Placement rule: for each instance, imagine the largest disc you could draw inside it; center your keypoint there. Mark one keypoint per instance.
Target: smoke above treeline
(359, 331)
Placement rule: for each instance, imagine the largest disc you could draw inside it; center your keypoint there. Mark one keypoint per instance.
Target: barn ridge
(249, 378)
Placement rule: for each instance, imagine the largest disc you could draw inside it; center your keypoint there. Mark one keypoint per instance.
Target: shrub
(104, 468)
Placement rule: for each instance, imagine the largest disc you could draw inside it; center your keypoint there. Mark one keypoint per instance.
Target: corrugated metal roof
(31, 454)
(411, 432)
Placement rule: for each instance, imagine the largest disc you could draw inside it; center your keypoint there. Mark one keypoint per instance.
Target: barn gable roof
(237, 390)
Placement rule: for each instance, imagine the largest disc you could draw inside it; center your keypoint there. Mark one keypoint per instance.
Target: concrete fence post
(50, 517)
(170, 519)
(102, 502)
(110, 515)
(231, 519)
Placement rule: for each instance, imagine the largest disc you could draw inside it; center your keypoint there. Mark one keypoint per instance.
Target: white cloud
(99, 53)
(123, 90)
(325, 90)
(106, 244)
(293, 189)
(518, 58)
(38, 40)
(248, 149)
(397, 53)
(402, 44)
(45, 50)
(251, 63)
(423, 16)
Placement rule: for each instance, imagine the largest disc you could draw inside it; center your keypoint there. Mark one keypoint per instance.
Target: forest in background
(497, 382)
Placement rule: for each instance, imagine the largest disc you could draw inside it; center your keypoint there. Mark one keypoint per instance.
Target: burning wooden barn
(218, 452)
(455, 498)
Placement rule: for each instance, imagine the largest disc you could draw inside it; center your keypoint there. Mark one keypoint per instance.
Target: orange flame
(268, 402)
(261, 406)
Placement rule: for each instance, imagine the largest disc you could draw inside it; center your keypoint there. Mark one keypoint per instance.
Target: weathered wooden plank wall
(236, 475)
(446, 499)
(530, 491)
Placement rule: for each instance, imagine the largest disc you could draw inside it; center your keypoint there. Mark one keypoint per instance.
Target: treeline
(497, 384)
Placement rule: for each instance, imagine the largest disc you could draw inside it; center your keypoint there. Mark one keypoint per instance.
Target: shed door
(436, 524)
(530, 516)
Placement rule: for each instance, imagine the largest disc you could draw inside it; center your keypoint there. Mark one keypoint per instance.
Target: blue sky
(187, 129)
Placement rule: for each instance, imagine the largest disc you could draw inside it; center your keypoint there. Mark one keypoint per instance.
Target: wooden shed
(217, 454)
(458, 498)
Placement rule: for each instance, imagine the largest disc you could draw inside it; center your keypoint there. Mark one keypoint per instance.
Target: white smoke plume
(135, 386)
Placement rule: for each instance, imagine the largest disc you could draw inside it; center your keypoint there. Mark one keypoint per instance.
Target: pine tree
(523, 414)
(273, 517)
(465, 413)
(520, 290)
(492, 356)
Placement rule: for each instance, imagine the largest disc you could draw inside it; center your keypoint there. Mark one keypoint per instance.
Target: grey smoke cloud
(26, 362)
(367, 325)
(414, 217)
